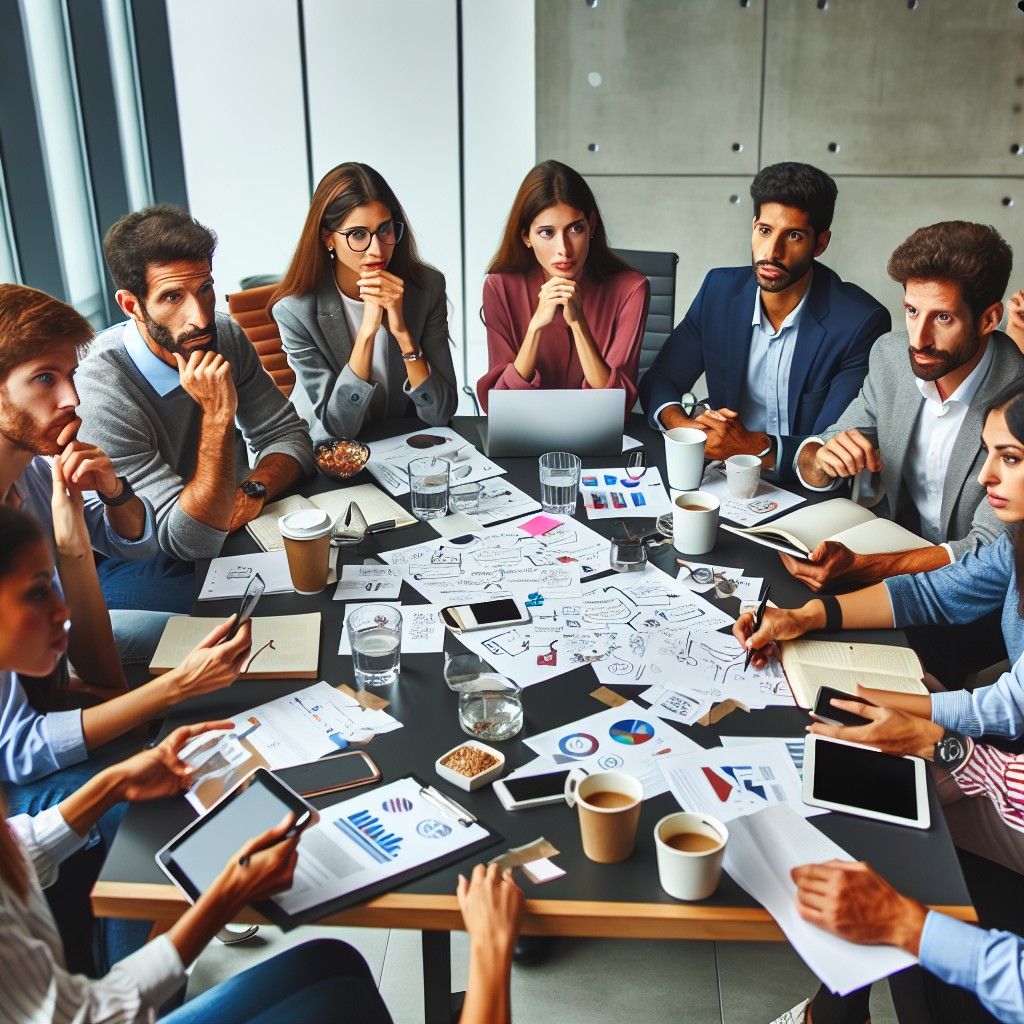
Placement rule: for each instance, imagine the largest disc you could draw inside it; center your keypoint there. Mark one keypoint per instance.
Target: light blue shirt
(989, 964)
(161, 377)
(764, 405)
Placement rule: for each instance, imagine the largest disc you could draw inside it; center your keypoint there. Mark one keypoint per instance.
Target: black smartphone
(823, 710)
(330, 774)
(465, 618)
(531, 790)
(251, 598)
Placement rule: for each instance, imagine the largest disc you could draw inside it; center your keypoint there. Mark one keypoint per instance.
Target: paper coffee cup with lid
(307, 543)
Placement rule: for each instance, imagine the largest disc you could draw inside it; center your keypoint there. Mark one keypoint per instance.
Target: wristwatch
(953, 750)
(123, 498)
(254, 489)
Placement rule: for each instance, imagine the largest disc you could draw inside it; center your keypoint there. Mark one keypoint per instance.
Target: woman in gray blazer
(364, 322)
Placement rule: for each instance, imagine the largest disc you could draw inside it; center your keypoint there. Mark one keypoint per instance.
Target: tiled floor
(588, 980)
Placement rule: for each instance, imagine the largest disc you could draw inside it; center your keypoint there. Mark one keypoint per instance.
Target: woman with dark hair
(364, 321)
(561, 309)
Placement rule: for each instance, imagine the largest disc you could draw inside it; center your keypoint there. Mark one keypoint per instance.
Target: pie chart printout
(632, 731)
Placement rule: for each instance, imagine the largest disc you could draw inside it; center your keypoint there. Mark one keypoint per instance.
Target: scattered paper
(611, 494)
(454, 524)
(501, 500)
(769, 500)
(762, 850)
(626, 739)
(389, 459)
(422, 629)
(229, 575)
(676, 707)
(794, 746)
(362, 581)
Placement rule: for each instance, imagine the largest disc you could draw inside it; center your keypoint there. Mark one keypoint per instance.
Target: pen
(758, 616)
(297, 826)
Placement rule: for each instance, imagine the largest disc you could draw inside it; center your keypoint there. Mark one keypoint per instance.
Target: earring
(330, 251)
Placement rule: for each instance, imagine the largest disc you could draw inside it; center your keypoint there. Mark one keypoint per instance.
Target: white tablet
(861, 780)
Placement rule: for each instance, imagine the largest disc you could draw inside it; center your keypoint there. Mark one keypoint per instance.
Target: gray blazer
(889, 402)
(318, 343)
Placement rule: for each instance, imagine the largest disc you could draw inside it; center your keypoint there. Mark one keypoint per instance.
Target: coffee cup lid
(304, 524)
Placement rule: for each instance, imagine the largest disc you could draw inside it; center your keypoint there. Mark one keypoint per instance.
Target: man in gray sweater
(174, 395)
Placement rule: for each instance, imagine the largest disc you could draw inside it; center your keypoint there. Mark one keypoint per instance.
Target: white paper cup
(684, 457)
(690, 874)
(694, 528)
(743, 474)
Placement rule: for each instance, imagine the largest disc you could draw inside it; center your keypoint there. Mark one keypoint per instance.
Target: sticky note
(539, 525)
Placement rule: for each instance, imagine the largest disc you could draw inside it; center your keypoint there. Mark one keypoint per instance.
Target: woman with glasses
(364, 322)
(561, 309)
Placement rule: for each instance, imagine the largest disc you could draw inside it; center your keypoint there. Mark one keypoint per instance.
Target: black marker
(758, 616)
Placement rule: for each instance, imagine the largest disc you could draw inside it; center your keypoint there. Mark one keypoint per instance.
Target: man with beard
(917, 420)
(783, 349)
(175, 394)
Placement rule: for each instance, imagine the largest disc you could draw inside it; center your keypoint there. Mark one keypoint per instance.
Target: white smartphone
(863, 781)
(531, 790)
(464, 618)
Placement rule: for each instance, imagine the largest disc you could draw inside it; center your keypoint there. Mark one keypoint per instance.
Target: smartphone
(823, 710)
(330, 774)
(251, 598)
(465, 618)
(531, 790)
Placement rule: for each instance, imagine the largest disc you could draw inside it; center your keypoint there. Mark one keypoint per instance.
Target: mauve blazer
(318, 343)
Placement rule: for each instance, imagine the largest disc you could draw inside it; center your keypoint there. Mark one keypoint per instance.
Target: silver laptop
(584, 421)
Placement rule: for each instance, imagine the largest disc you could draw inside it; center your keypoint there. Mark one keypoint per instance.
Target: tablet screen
(206, 850)
(858, 777)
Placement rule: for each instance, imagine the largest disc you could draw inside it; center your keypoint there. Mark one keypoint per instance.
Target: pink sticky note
(539, 525)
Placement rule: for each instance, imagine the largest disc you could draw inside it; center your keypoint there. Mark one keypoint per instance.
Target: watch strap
(126, 495)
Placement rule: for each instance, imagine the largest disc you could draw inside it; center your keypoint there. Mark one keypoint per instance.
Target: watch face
(952, 750)
(254, 489)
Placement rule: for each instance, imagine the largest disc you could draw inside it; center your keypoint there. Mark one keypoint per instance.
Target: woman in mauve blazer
(561, 309)
(364, 322)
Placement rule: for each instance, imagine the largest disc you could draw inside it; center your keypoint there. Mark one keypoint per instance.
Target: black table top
(921, 864)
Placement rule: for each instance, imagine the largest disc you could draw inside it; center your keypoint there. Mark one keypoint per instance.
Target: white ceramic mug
(743, 474)
(684, 457)
(694, 528)
(690, 848)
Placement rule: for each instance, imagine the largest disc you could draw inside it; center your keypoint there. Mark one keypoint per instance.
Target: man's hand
(68, 509)
(890, 730)
(777, 624)
(727, 436)
(206, 377)
(829, 565)
(846, 454)
(89, 469)
(855, 903)
(245, 511)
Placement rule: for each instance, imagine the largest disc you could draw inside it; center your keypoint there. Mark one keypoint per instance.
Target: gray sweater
(153, 439)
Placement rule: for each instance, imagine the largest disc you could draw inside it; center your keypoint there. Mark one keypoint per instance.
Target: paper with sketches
(609, 627)
(363, 581)
(422, 629)
(625, 739)
(610, 494)
(501, 500)
(769, 500)
(390, 458)
(725, 581)
(706, 665)
(762, 850)
(729, 782)
(229, 575)
(673, 706)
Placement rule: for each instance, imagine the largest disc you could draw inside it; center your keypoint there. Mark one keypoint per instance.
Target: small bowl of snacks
(470, 765)
(341, 458)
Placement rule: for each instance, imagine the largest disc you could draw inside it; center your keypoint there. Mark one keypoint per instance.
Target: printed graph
(366, 830)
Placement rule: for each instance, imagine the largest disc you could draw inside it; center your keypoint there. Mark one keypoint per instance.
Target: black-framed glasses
(359, 239)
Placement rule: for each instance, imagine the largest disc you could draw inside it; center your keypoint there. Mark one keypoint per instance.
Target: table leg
(437, 978)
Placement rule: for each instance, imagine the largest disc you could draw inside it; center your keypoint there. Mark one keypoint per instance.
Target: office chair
(249, 310)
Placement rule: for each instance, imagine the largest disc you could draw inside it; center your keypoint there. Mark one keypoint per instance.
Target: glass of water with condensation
(559, 482)
(375, 636)
(428, 487)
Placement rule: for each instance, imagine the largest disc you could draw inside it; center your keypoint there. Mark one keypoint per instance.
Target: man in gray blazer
(919, 425)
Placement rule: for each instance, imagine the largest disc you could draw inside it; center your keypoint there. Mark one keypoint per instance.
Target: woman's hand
(68, 508)
(269, 866)
(385, 291)
(492, 907)
(777, 624)
(214, 664)
(555, 292)
(890, 730)
(158, 771)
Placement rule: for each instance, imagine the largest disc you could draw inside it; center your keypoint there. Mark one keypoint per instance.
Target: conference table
(621, 900)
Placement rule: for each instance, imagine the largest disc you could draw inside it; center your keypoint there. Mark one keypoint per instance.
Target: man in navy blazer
(784, 348)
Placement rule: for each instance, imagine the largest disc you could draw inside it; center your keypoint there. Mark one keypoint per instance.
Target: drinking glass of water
(375, 636)
(428, 487)
(559, 482)
(491, 708)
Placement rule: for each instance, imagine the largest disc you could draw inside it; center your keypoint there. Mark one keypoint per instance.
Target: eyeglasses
(358, 239)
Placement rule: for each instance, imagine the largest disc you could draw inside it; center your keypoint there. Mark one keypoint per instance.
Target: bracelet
(415, 357)
(123, 498)
(833, 614)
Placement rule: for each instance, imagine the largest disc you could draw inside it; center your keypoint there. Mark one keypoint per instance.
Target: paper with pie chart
(624, 739)
(730, 782)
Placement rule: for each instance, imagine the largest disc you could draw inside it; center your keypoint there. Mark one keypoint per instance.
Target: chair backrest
(660, 269)
(249, 310)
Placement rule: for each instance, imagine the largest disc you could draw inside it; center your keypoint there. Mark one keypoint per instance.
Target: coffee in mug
(694, 522)
(690, 848)
(693, 842)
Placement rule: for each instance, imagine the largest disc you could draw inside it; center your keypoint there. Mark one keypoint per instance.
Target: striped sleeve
(1000, 777)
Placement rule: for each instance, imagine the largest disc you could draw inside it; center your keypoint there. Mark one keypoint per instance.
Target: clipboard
(370, 799)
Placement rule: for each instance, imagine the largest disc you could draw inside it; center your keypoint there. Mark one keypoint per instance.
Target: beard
(167, 341)
(790, 275)
(24, 431)
(946, 360)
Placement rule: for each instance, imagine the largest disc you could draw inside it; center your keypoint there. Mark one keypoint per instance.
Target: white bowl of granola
(470, 765)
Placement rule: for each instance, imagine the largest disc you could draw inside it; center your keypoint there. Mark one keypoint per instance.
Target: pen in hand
(758, 616)
(294, 829)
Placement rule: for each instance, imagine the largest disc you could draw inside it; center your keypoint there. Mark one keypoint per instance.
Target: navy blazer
(839, 324)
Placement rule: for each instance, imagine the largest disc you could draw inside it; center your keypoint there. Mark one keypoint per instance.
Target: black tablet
(200, 852)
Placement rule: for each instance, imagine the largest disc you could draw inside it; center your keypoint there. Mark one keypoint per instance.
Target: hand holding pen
(758, 616)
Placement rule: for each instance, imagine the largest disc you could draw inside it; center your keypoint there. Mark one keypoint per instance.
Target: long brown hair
(340, 191)
(547, 185)
(1010, 402)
